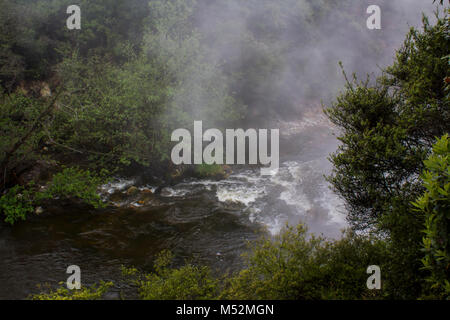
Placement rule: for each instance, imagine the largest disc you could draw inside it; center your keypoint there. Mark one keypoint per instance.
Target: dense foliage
(188, 282)
(387, 131)
(435, 205)
(297, 266)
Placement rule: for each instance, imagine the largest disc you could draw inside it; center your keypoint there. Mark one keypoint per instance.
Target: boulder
(132, 191)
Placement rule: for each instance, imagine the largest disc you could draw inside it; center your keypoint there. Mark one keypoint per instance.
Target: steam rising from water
(296, 46)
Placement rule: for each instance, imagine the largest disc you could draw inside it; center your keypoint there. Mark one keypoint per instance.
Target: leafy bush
(16, 204)
(210, 171)
(297, 266)
(75, 183)
(435, 204)
(71, 183)
(94, 292)
(188, 282)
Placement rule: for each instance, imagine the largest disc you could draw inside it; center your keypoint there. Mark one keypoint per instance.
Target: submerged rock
(132, 191)
(118, 197)
(147, 192)
(133, 197)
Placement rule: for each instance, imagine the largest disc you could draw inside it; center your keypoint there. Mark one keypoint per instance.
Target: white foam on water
(171, 192)
(253, 214)
(239, 194)
(148, 187)
(118, 185)
(298, 192)
(291, 178)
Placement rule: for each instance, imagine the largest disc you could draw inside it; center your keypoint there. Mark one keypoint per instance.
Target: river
(208, 222)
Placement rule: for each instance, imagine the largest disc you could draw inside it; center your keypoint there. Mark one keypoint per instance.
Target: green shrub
(71, 183)
(209, 171)
(188, 282)
(94, 292)
(435, 204)
(16, 204)
(297, 266)
(75, 183)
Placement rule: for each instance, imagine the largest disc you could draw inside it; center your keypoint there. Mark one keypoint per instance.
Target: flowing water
(208, 222)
